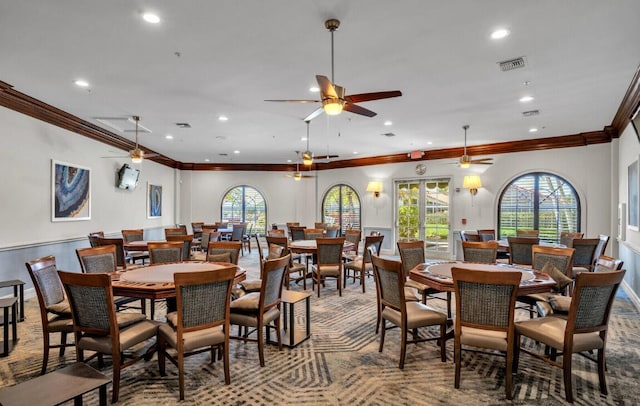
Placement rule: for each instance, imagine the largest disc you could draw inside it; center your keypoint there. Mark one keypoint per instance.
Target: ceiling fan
(465, 160)
(333, 97)
(297, 175)
(136, 154)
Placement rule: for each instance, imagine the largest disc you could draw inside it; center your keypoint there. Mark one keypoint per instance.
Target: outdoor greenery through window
(341, 206)
(244, 204)
(539, 201)
(423, 212)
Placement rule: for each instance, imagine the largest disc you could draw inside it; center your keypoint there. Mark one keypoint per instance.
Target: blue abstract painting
(154, 209)
(71, 192)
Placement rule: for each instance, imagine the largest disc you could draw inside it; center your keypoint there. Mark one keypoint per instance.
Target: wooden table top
(156, 281)
(310, 246)
(437, 274)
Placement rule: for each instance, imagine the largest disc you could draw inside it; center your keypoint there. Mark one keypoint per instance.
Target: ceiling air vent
(183, 125)
(530, 113)
(512, 64)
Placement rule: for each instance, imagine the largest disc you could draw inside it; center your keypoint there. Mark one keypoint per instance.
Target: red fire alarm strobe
(416, 154)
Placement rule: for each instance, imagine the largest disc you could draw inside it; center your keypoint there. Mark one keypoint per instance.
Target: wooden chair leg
(45, 353)
(566, 368)
(63, 343)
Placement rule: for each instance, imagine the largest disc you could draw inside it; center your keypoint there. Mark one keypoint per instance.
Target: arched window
(539, 201)
(244, 204)
(341, 206)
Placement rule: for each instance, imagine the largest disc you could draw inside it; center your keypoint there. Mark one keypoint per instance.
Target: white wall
(27, 147)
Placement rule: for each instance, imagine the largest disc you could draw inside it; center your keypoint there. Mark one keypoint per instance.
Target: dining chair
(246, 237)
(313, 233)
(583, 259)
(98, 328)
(558, 264)
(224, 251)
(200, 323)
(602, 247)
(482, 252)
(469, 236)
(527, 233)
(294, 267)
(196, 229)
(297, 232)
(174, 231)
(329, 263)
(520, 249)
(131, 235)
(276, 233)
(361, 265)
(121, 255)
(186, 241)
(354, 237)
(406, 315)
(103, 259)
(558, 304)
(487, 234)
(584, 329)
(332, 231)
(165, 252)
(320, 225)
(237, 233)
(55, 312)
(261, 310)
(411, 255)
(94, 236)
(566, 238)
(485, 307)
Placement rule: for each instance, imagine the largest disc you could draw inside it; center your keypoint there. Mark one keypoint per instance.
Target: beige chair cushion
(129, 337)
(491, 339)
(418, 315)
(275, 251)
(328, 270)
(58, 324)
(410, 283)
(251, 320)
(60, 309)
(410, 295)
(251, 285)
(557, 275)
(224, 257)
(194, 339)
(248, 303)
(550, 331)
(559, 304)
(355, 264)
(127, 319)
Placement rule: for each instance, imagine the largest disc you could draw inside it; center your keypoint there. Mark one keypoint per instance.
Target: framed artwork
(633, 180)
(70, 192)
(154, 201)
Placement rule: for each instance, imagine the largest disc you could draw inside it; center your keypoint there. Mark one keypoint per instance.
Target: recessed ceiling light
(168, 136)
(207, 160)
(223, 118)
(355, 152)
(288, 160)
(388, 122)
(81, 83)
(526, 99)
(303, 139)
(151, 18)
(500, 33)
(429, 142)
(236, 152)
(533, 130)
(314, 89)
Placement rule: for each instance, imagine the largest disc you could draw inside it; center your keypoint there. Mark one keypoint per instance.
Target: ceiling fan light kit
(465, 160)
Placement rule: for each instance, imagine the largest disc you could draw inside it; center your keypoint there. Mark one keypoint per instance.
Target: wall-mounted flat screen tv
(128, 177)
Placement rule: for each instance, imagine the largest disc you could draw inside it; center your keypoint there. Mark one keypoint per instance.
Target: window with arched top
(245, 204)
(341, 206)
(539, 201)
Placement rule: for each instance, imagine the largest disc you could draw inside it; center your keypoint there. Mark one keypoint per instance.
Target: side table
(291, 337)
(5, 304)
(17, 284)
(57, 387)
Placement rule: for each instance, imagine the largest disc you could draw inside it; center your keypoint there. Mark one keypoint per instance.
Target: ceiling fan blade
(326, 156)
(362, 97)
(481, 163)
(354, 108)
(295, 101)
(116, 156)
(326, 87)
(315, 114)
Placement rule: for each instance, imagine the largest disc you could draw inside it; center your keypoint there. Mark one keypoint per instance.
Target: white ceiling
(210, 58)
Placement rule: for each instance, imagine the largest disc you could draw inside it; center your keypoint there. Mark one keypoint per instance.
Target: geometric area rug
(341, 365)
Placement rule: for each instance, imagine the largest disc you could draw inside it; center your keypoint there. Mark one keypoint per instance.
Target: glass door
(422, 213)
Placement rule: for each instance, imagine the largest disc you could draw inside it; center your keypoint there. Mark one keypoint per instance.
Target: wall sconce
(473, 183)
(375, 187)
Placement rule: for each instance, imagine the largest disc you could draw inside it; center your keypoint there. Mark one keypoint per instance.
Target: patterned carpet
(341, 365)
